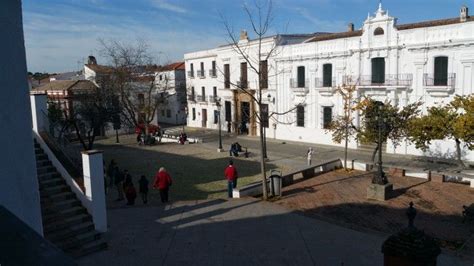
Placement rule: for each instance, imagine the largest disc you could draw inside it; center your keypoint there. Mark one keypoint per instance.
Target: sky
(60, 34)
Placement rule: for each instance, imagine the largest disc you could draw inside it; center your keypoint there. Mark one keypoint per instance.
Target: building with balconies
(429, 61)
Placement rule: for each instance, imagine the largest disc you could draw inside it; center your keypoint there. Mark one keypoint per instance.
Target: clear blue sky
(59, 34)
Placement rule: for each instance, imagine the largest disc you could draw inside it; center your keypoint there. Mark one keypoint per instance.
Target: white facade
(385, 59)
(19, 191)
(171, 89)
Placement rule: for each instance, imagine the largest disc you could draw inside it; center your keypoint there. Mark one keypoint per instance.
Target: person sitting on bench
(233, 150)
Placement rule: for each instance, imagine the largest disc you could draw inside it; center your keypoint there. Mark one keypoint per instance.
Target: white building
(171, 88)
(430, 61)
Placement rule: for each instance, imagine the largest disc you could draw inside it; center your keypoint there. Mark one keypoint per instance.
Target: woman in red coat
(163, 182)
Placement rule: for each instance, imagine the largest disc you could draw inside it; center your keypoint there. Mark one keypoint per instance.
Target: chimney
(91, 60)
(243, 35)
(464, 14)
(350, 27)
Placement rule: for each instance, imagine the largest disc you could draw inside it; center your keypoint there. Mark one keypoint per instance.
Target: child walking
(143, 189)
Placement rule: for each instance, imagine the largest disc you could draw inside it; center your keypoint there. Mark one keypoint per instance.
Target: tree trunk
(262, 163)
(459, 153)
(346, 147)
(116, 137)
(264, 143)
(374, 153)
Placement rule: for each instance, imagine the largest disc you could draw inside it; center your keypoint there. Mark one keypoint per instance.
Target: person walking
(230, 173)
(111, 172)
(162, 182)
(129, 188)
(118, 181)
(309, 155)
(143, 188)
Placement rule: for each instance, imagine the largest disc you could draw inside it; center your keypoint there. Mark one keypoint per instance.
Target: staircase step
(45, 162)
(58, 196)
(41, 157)
(55, 191)
(45, 169)
(58, 206)
(51, 182)
(67, 234)
(65, 213)
(65, 223)
(89, 248)
(47, 176)
(77, 241)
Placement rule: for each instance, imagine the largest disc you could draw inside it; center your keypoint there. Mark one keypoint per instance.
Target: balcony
(201, 74)
(401, 80)
(321, 83)
(213, 73)
(192, 98)
(201, 98)
(213, 98)
(440, 87)
(299, 88)
(242, 84)
(191, 74)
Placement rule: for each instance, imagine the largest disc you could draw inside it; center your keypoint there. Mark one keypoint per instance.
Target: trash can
(275, 183)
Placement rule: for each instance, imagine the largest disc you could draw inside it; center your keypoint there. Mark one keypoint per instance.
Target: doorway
(204, 118)
(245, 122)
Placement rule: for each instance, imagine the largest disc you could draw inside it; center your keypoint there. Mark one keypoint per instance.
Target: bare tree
(134, 80)
(260, 17)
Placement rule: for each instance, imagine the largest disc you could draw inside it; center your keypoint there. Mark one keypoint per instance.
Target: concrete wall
(19, 191)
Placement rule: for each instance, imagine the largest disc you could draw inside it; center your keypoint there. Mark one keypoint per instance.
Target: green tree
(395, 122)
(342, 128)
(455, 121)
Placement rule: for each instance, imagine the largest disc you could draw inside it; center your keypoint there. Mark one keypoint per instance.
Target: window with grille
(327, 117)
(300, 116)
(441, 71)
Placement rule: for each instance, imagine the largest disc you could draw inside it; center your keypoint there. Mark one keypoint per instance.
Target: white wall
(19, 191)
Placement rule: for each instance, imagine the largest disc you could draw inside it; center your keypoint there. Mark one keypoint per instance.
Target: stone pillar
(39, 111)
(93, 169)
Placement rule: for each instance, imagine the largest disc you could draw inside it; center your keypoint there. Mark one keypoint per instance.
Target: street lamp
(218, 104)
(379, 177)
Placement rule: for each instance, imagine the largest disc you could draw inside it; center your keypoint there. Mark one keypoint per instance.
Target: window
(203, 93)
(327, 75)
(194, 113)
(441, 71)
(214, 92)
(201, 72)
(168, 113)
(163, 112)
(378, 31)
(202, 67)
(213, 70)
(216, 116)
(300, 116)
(161, 77)
(243, 75)
(301, 77)
(264, 115)
(226, 76)
(264, 74)
(141, 100)
(228, 112)
(378, 70)
(192, 70)
(192, 93)
(327, 117)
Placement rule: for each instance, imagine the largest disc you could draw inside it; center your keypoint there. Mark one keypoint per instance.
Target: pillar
(93, 170)
(39, 112)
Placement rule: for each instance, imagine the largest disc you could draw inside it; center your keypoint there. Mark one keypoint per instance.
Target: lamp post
(218, 103)
(379, 177)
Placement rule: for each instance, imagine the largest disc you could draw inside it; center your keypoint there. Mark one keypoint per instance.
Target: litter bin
(275, 183)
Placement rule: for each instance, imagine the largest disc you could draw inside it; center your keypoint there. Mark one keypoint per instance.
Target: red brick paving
(341, 196)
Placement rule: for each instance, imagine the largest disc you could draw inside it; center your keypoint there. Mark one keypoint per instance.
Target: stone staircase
(66, 223)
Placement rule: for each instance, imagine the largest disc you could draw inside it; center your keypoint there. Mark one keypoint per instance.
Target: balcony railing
(201, 74)
(213, 73)
(213, 99)
(200, 98)
(191, 74)
(242, 84)
(449, 81)
(322, 83)
(294, 83)
(192, 97)
(404, 80)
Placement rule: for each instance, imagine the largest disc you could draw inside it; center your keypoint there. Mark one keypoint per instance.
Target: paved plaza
(321, 221)
(234, 232)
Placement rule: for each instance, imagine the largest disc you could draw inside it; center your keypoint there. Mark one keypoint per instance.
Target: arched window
(378, 31)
